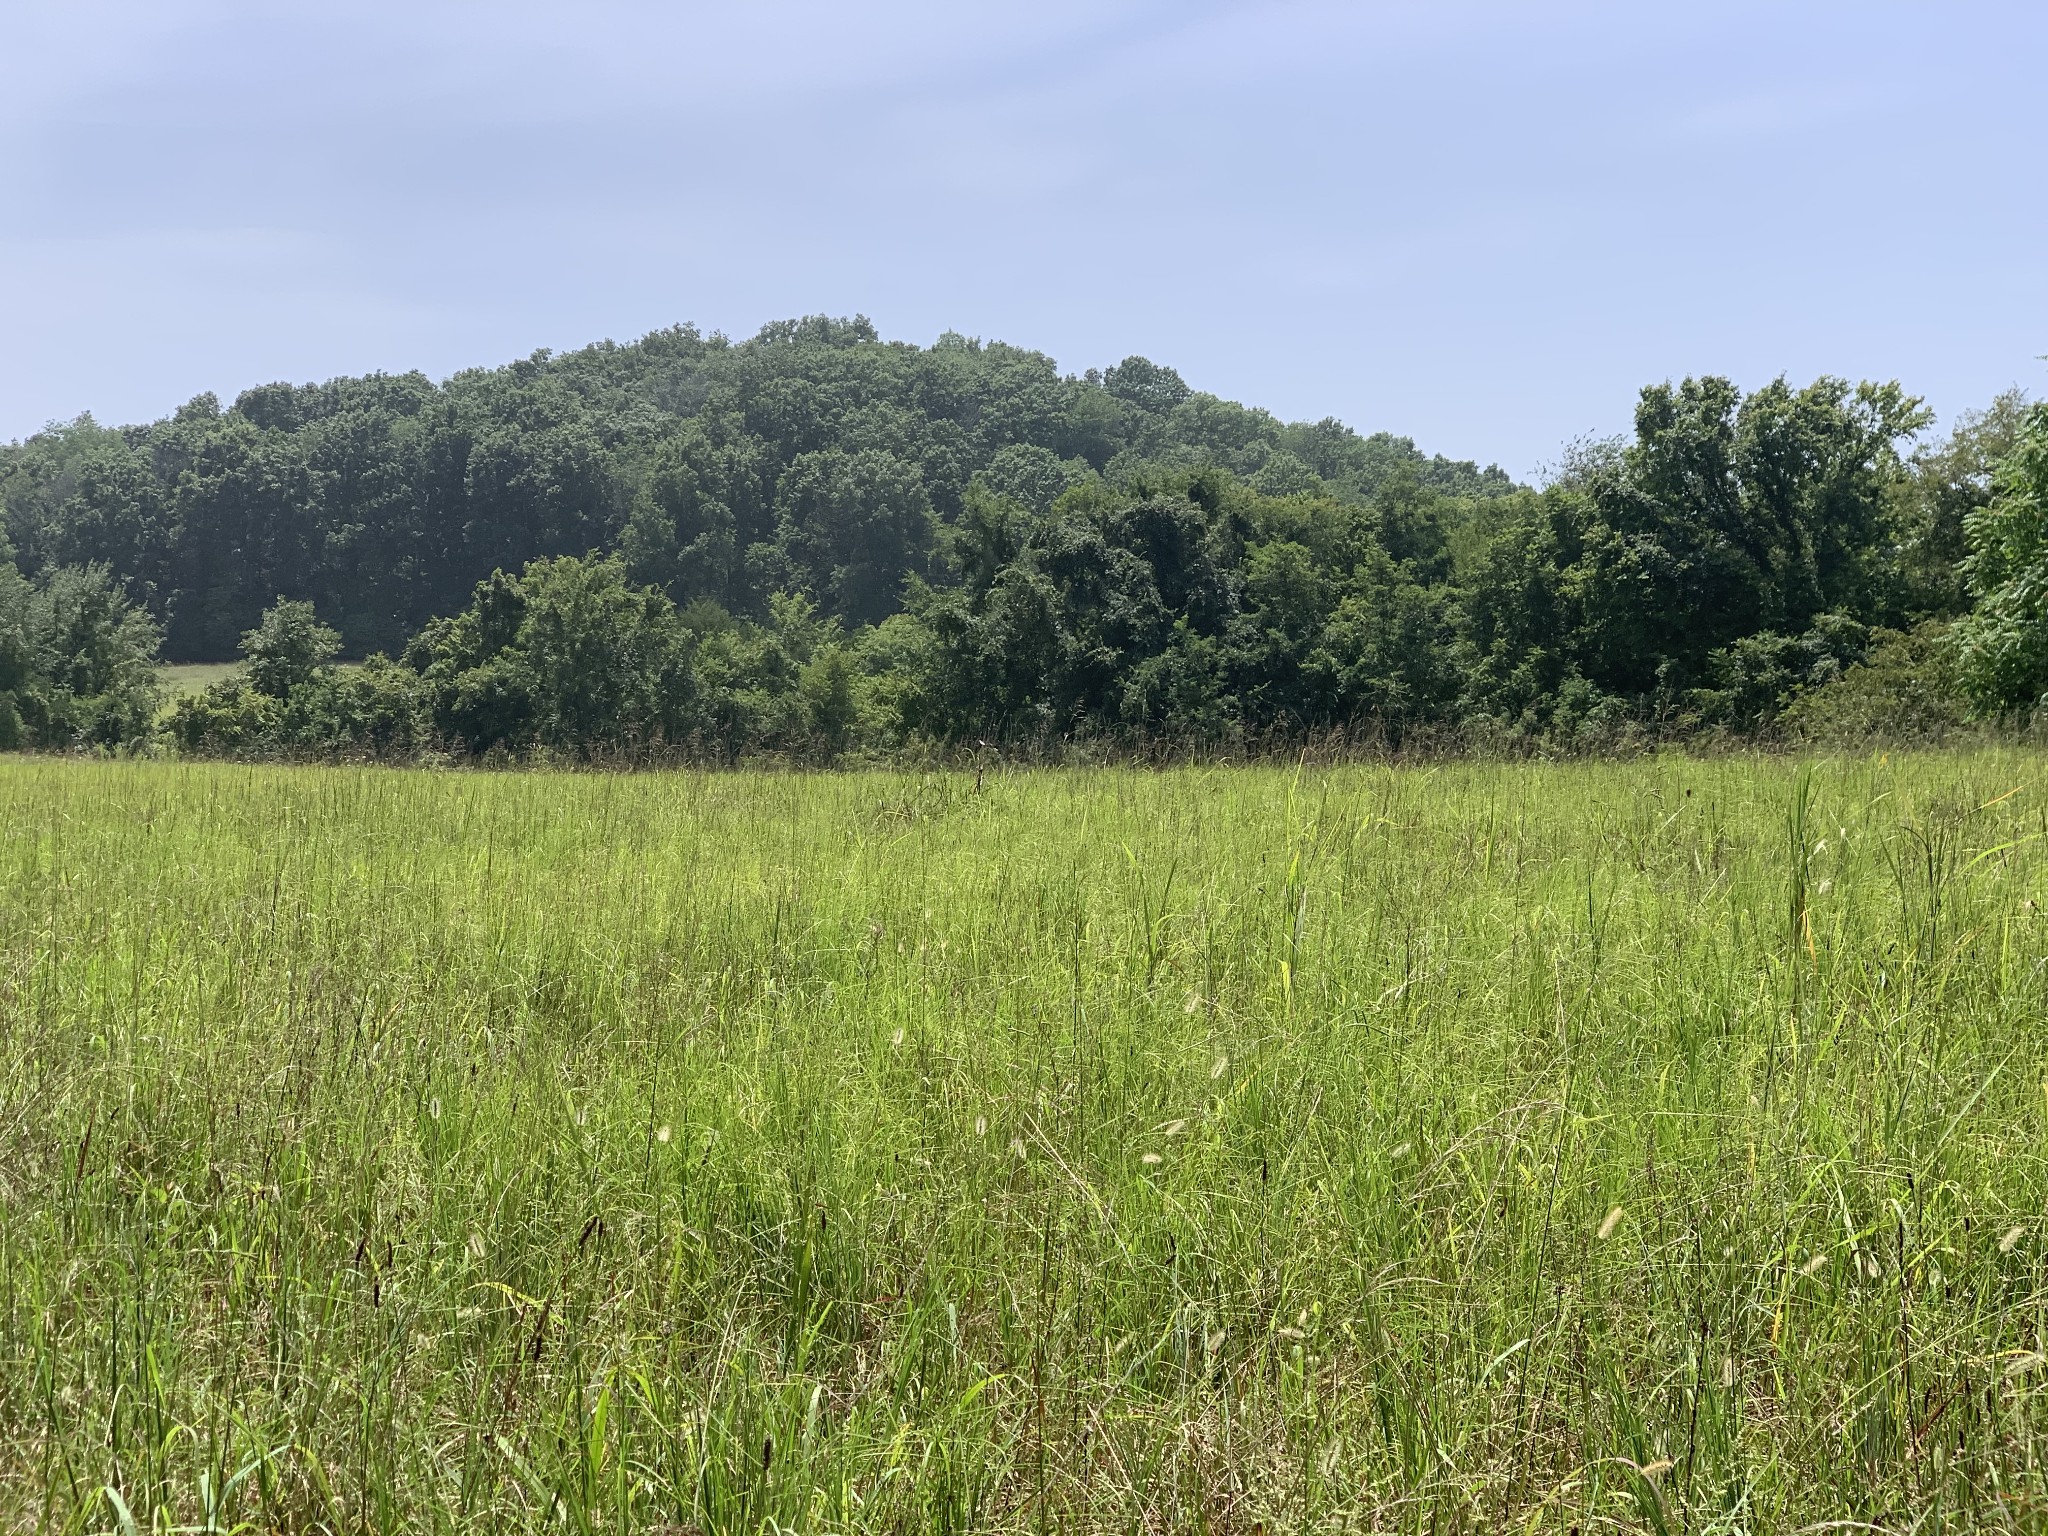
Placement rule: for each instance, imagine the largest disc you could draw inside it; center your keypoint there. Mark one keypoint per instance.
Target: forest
(819, 545)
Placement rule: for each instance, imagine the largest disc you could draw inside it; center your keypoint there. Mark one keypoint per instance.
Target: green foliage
(851, 527)
(287, 648)
(1185, 607)
(291, 701)
(814, 457)
(1904, 691)
(1001, 553)
(1752, 680)
(827, 685)
(371, 711)
(2002, 647)
(566, 655)
(1032, 477)
(227, 719)
(1666, 573)
(77, 661)
(1932, 505)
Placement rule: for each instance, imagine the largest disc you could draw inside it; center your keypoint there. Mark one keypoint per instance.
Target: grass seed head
(1222, 1066)
(1151, 1159)
(1813, 1265)
(2007, 1243)
(1613, 1220)
(662, 1135)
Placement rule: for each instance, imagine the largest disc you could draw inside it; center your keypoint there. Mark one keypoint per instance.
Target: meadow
(183, 680)
(1645, 1146)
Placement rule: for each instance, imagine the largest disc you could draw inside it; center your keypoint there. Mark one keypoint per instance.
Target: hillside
(816, 543)
(814, 456)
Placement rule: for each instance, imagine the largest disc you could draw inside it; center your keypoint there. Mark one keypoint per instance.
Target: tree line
(815, 543)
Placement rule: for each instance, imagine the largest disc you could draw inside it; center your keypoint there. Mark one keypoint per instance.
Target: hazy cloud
(1481, 223)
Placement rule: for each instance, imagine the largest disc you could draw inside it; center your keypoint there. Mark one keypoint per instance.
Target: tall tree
(2002, 647)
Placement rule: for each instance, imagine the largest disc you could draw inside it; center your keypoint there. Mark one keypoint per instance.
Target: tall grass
(1654, 1145)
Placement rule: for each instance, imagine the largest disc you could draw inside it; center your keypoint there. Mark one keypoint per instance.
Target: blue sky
(1481, 224)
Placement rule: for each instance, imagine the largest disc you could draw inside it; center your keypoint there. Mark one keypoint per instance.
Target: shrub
(293, 702)
(2002, 648)
(77, 661)
(1905, 691)
(565, 655)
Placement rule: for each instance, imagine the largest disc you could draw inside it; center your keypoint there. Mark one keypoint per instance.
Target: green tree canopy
(2002, 647)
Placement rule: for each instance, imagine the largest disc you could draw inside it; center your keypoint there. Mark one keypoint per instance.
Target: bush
(565, 655)
(229, 719)
(293, 702)
(1758, 676)
(287, 648)
(2002, 648)
(1905, 691)
(77, 661)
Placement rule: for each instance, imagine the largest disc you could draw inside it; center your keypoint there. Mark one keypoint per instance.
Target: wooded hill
(961, 542)
(814, 457)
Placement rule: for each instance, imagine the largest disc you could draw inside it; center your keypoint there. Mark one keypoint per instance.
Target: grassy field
(195, 677)
(187, 677)
(1652, 1146)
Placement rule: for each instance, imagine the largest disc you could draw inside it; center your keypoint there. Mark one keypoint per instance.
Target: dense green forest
(816, 542)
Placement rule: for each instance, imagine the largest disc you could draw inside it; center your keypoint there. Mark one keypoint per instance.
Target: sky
(1480, 224)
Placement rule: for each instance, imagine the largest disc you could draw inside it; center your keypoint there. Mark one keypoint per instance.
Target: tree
(704, 506)
(77, 660)
(567, 654)
(2002, 648)
(1146, 385)
(287, 647)
(827, 684)
(1947, 482)
(853, 526)
(1725, 516)
(1031, 477)
(386, 498)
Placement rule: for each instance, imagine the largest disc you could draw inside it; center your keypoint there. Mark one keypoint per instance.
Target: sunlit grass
(187, 677)
(1437, 1149)
(181, 678)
